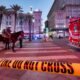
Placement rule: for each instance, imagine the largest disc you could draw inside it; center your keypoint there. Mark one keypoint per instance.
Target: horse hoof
(8, 48)
(13, 50)
(5, 48)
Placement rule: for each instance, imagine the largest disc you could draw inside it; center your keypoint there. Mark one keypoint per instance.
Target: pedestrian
(45, 37)
(21, 39)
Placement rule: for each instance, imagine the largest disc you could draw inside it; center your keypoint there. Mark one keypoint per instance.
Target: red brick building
(22, 22)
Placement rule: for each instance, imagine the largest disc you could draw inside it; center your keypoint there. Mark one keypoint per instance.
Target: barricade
(51, 67)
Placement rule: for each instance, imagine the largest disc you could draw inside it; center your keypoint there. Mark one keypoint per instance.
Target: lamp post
(33, 25)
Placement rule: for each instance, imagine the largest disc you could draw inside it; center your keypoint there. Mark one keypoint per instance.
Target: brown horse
(13, 39)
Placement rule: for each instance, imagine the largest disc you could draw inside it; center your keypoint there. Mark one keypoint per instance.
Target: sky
(43, 5)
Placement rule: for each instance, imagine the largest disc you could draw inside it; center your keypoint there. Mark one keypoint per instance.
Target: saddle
(7, 36)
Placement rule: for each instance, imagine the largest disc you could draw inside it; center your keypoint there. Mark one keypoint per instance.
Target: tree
(16, 9)
(29, 19)
(3, 10)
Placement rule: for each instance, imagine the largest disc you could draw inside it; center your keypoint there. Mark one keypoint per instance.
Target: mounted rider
(8, 32)
(4, 33)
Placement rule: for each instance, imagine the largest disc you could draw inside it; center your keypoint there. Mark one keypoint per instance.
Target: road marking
(43, 57)
(34, 52)
(40, 45)
(37, 48)
(71, 50)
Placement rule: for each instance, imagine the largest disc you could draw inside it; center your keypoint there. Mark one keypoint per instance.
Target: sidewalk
(64, 43)
(61, 42)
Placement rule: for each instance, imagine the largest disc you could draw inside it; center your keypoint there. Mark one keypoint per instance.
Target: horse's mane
(16, 35)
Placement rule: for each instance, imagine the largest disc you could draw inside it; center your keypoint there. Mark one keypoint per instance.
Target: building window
(39, 20)
(7, 17)
(20, 23)
(6, 22)
(35, 20)
(10, 17)
(10, 23)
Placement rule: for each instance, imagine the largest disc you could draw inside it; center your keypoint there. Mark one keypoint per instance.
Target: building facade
(60, 14)
(22, 22)
(37, 21)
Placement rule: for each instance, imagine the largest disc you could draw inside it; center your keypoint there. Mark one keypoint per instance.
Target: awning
(59, 29)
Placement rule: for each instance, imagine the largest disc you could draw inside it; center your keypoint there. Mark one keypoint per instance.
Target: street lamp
(33, 25)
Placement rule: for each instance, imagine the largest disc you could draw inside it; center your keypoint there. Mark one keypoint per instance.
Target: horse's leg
(5, 45)
(8, 45)
(13, 45)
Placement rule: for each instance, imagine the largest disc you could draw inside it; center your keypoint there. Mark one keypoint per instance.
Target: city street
(44, 40)
(52, 50)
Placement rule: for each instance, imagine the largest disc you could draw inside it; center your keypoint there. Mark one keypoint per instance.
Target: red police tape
(52, 67)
